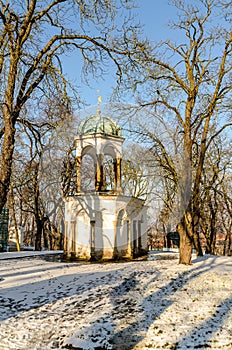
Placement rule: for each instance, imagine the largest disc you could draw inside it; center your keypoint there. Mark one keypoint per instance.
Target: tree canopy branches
(34, 36)
(188, 83)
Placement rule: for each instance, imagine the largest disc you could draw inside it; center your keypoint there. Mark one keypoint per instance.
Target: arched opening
(111, 168)
(87, 173)
(121, 233)
(109, 175)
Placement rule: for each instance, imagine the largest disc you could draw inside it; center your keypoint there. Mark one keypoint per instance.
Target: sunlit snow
(153, 304)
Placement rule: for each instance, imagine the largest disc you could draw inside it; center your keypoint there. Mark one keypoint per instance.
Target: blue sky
(154, 16)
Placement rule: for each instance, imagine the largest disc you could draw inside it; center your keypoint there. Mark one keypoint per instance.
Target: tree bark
(39, 231)
(186, 239)
(6, 157)
(196, 238)
(227, 244)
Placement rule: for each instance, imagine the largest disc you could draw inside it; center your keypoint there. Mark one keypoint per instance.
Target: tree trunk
(213, 233)
(185, 243)
(227, 243)
(45, 237)
(32, 238)
(197, 244)
(15, 221)
(6, 158)
(208, 245)
(38, 235)
(39, 232)
(196, 238)
(61, 240)
(211, 236)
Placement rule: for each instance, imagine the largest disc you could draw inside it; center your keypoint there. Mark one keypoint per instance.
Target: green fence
(4, 219)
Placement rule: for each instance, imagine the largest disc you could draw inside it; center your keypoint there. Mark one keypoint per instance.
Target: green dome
(98, 124)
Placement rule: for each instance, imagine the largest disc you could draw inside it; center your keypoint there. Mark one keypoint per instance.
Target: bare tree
(34, 35)
(213, 176)
(189, 84)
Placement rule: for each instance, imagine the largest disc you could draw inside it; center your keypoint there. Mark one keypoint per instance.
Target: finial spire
(99, 100)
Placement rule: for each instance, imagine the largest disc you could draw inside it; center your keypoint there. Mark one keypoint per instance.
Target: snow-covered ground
(28, 254)
(154, 304)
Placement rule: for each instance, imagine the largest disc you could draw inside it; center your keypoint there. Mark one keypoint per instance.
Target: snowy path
(135, 305)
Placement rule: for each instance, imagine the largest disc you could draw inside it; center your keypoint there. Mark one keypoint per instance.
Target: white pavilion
(103, 223)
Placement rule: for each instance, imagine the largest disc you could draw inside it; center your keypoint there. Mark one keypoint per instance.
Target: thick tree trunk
(6, 158)
(186, 239)
(185, 246)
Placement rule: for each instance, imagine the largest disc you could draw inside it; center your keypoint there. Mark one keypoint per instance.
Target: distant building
(103, 223)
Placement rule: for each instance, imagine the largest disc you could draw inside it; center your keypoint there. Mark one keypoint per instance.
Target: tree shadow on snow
(132, 313)
(30, 295)
(152, 307)
(200, 336)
